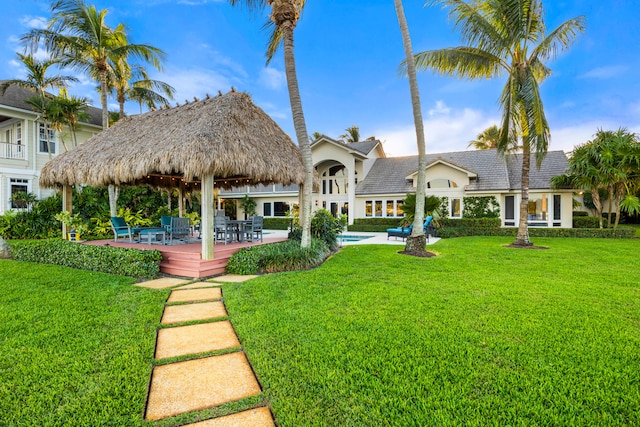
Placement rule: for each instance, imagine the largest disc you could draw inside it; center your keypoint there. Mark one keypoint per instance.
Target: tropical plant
(487, 139)
(37, 79)
(431, 206)
(507, 37)
(314, 136)
(78, 36)
(283, 19)
(23, 199)
(248, 205)
(417, 240)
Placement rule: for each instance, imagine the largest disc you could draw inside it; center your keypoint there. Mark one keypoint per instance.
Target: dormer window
(441, 183)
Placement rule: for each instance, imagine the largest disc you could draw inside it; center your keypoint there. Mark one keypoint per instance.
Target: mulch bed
(420, 254)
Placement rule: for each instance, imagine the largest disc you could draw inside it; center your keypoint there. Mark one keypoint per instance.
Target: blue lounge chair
(405, 232)
(120, 228)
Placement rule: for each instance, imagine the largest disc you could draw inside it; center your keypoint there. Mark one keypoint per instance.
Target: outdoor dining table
(237, 228)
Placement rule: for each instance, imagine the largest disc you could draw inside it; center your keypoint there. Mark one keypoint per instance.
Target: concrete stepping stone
(189, 312)
(190, 295)
(198, 285)
(165, 282)
(199, 384)
(233, 278)
(259, 417)
(194, 339)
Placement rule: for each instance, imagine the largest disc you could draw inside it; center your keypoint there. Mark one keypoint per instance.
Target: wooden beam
(67, 205)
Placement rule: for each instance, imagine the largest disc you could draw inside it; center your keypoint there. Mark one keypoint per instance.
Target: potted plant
(75, 225)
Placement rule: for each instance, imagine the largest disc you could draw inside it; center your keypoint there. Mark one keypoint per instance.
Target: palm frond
(559, 39)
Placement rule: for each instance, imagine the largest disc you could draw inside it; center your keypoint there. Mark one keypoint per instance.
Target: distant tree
(508, 37)
(352, 134)
(486, 140)
(315, 136)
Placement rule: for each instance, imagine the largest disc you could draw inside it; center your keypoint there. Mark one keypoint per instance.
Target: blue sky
(347, 54)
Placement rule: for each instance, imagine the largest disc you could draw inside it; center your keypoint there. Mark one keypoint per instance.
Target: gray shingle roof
(494, 172)
(363, 147)
(15, 96)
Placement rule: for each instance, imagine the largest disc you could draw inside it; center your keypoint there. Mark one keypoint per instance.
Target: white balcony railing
(11, 151)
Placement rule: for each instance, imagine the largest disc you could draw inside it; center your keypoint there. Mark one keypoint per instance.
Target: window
(266, 209)
(18, 186)
(390, 208)
(456, 212)
(557, 210)
(509, 210)
(441, 183)
(280, 208)
(334, 181)
(399, 210)
(47, 138)
(368, 208)
(538, 209)
(378, 207)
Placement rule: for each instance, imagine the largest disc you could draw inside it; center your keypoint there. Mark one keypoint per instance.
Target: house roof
(362, 148)
(15, 97)
(494, 172)
(227, 137)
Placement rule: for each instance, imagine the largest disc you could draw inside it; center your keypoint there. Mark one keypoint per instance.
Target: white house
(359, 180)
(26, 144)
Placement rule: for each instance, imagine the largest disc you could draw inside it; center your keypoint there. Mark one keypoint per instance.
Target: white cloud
(604, 73)
(567, 137)
(446, 130)
(272, 78)
(37, 22)
(190, 83)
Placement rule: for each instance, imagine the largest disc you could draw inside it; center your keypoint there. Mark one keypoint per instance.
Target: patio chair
(120, 228)
(221, 229)
(254, 231)
(180, 229)
(403, 232)
(165, 222)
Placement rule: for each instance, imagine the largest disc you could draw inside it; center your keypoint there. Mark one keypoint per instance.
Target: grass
(76, 347)
(481, 335)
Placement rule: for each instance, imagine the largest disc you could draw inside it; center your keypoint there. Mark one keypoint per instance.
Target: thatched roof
(228, 137)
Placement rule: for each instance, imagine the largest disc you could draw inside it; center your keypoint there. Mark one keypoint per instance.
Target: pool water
(353, 238)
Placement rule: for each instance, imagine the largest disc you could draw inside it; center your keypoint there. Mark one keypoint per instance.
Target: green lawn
(481, 335)
(76, 347)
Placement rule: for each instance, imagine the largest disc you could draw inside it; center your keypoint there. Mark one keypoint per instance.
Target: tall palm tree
(417, 241)
(487, 139)
(78, 35)
(508, 37)
(284, 17)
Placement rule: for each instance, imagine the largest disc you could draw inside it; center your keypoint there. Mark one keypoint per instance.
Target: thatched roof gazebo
(226, 139)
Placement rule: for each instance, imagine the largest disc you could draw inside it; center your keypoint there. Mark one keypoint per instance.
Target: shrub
(38, 223)
(580, 213)
(586, 222)
(621, 233)
(324, 226)
(281, 223)
(471, 222)
(375, 224)
(481, 207)
(284, 256)
(106, 259)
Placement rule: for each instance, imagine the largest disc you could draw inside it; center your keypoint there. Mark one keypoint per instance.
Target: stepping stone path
(206, 382)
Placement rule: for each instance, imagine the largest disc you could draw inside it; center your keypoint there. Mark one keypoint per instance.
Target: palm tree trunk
(417, 241)
(113, 190)
(522, 239)
(301, 129)
(611, 196)
(595, 196)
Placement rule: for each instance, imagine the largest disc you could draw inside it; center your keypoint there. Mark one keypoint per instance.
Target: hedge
(379, 225)
(471, 222)
(275, 257)
(621, 233)
(277, 223)
(106, 259)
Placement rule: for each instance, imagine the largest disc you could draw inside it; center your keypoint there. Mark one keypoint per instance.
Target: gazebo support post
(206, 225)
(67, 205)
(181, 209)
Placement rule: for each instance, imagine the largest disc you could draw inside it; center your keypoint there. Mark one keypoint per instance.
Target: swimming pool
(352, 238)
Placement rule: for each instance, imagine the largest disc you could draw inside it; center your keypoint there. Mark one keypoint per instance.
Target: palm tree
(417, 241)
(486, 140)
(501, 37)
(284, 16)
(352, 134)
(314, 136)
(78, 35)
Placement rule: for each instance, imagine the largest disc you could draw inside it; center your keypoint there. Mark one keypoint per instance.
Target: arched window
(441, 183)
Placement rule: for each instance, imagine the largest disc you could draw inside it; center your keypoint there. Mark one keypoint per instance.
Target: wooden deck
(185, 259)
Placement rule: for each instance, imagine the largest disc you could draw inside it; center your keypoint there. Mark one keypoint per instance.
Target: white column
(352, 191)
(206, 224)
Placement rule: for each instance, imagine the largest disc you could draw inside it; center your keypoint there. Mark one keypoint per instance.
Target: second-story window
(47, 139)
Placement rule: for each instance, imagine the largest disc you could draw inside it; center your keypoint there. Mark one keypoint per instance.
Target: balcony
(12, 151)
